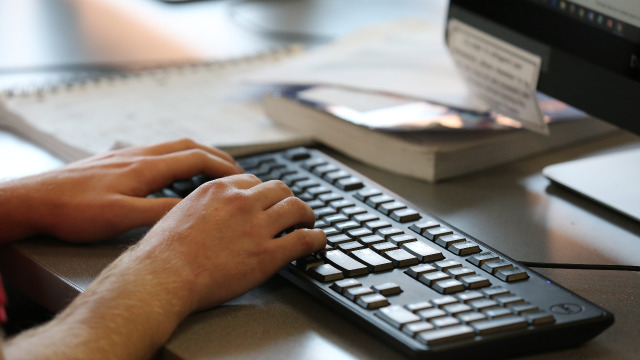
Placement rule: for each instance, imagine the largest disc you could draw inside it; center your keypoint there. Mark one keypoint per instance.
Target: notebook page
(205, 103)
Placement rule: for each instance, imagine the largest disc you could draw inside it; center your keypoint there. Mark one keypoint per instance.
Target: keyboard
(419, 284)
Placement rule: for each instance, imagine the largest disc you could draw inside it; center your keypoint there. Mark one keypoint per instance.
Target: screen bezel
(582, 65)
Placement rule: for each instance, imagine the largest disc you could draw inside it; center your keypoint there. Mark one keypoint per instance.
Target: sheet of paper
(502, 75)
(407, 58)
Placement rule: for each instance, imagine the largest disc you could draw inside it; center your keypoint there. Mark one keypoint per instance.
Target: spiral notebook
(203, 101)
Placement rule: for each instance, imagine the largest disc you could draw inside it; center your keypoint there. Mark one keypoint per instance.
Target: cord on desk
(580, 266)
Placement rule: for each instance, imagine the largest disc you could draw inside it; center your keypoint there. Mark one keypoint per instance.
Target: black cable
(580, 266)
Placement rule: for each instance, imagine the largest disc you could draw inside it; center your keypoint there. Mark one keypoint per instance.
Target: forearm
(127, 313)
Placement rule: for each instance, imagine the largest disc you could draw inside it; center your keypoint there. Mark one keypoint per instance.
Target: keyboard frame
(565, 332)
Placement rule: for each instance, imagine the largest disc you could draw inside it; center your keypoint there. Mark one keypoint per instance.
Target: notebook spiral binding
(95, 78)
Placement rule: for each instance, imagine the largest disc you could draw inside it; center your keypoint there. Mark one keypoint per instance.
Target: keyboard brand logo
(566, 309)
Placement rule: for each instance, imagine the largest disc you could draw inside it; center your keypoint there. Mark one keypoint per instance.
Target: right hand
(221, 240)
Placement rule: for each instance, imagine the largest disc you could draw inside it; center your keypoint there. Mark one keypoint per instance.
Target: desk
(512, 208)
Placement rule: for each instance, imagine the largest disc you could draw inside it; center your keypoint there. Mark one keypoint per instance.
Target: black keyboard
(421, 285)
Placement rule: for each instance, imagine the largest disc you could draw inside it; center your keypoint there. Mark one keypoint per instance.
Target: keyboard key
(387, 289)
(539, 318)
(389, 231)
(402, 239)
(512, 274)
(497, 313)
(444, 322)
(377, 225)
(313, 163)
(334, 240)
(423, 252)
(376, 201)
(449, 286)
(446, 335)
(348, 184)
(334, 176)
(482, 258)
(383, 247)
(297, 154)
(448, 240)
(346, 225)
(492, 292)
(457, 308)
(416, 307)
(359, 233)
(414, 328)
(497, 325)
(471, 317)
(335, 218)
(446, 265)
(431, 278)
(444, 301)
(342, 285)
(483, 304)
(325, 273)
(493, 266)
(373, 301)
(307, 262)
(430, 314)
(397, 316)
(475, 281)
(459, 272)
(424, 225)
(405, 215)
(324, 169)
(509, 300)
(416, 271)
(521, 309)
(353, 211)
(348, 265)
(374, 261)
(389, 207)
(350, 246)
(464, 248)
(365, 194)
(354, 293)
(371, 240)
(468, 296)
(401, 258)
(365, 218)
(434, 233)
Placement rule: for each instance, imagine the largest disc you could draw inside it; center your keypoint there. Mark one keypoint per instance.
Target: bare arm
(213, 246)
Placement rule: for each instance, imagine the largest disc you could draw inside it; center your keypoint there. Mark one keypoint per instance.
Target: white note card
(500, 74)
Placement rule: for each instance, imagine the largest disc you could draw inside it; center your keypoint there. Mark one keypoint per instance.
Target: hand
(221, 240)
(105, 195)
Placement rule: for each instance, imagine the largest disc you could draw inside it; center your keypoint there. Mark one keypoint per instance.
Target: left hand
(105, 195)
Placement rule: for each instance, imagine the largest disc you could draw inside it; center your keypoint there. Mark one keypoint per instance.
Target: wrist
(19, 212)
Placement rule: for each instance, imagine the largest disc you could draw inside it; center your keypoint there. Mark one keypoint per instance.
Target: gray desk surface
(513, 208)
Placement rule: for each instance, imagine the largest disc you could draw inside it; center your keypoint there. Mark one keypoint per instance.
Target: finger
(270, 193)
(240, 181)
(160, 171)
(291, 212)
(180, 145)
(297, 244)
